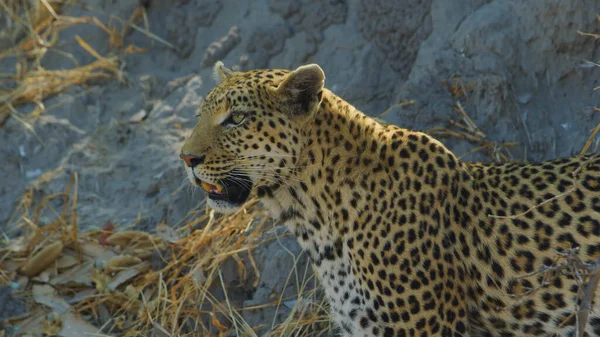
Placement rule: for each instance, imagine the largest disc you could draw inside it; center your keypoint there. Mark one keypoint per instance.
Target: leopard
(406, 238)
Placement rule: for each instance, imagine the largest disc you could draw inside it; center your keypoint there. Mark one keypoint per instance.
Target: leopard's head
(249, 132)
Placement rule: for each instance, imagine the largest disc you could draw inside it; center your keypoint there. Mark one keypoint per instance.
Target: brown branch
(468, 130)
(550, 273)
(588, 143)
(588, 298)
(587, 276)
(596, 36)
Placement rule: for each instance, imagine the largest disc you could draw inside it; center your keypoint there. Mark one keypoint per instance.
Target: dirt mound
(107, 91)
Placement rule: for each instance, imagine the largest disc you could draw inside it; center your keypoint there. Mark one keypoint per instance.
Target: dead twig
(588, 297)
(596, 36)
(587, 276)
(398, 105)
(468, 130)
(590, 140)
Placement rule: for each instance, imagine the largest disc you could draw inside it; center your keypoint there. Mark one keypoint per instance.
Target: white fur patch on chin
(191, 177)
(223, 207)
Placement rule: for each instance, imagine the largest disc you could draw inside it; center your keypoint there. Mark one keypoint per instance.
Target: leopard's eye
(236, 118)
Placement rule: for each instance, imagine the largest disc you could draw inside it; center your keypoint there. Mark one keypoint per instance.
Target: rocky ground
(522, 64)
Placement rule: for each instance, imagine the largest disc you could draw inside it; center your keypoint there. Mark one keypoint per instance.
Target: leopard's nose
(192, 160)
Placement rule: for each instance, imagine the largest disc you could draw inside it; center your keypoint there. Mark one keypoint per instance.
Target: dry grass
(466, 129)
(121, 283)
(111, 280)
(36, 25)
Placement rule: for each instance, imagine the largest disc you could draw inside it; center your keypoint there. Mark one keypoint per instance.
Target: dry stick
(397, 105)
(597, 36)
(50, 9)
(574, 265)
(470, 132)
(74, 226)
(588, 143)
(465, 128)
(15, 114)
(468, 120)
(555, 269)
(588, 297)
(463, 135)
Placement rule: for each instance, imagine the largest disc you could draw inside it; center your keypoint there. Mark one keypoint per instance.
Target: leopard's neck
(346, 160)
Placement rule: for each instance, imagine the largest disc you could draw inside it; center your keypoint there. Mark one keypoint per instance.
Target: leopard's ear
(221, 72)
(302, 89)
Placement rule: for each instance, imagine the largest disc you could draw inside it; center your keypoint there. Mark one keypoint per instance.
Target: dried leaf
(80, 275)
(66, 261)
(122, 277)
(72, 326)
(42, 259)
(34, 324)
(167, 233)
(126, 238)
(121, 262)
(45, 275)
(18, 245)
(46, 295)
(80, 296)
(143, 253)
(96, 251)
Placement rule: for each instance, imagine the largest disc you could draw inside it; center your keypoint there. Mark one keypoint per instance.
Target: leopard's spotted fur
(407, 239)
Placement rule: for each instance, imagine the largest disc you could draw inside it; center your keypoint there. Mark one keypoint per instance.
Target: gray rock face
(523, 61)
(397, 29)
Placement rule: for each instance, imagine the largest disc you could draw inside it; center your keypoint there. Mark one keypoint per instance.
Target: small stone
(524, 98)
(138, 116)
(33, 173)
(153, 190)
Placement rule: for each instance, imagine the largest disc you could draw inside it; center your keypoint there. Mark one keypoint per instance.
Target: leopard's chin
(228, 195)
(223, 207)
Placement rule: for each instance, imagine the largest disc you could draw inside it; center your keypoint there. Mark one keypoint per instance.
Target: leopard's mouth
(234, 191)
